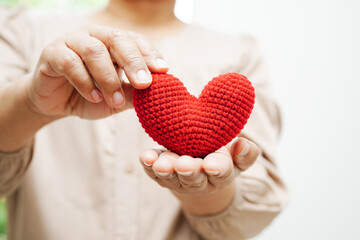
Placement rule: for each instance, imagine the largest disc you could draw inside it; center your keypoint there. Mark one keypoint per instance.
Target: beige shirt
(82, 179)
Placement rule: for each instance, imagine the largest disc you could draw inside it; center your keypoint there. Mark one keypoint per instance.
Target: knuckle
(112, 78)
(94, 48)
(118, 35)
(69, 61)
(82, 85)
(134, 60)
(109, 82)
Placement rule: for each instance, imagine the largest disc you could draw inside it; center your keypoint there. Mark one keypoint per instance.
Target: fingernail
(118, 99)
(212, 172)
(147, 164)
(96, 95)
(186, 174)
(163, 174)
(245, 149)
(160, 63)
(143, 77)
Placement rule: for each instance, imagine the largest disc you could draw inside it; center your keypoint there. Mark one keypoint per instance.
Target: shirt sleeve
(13, 167)
(260, 193)
(13, 65)
(15, 44)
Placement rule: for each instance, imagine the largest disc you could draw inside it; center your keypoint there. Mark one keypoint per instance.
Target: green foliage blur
(2, 219)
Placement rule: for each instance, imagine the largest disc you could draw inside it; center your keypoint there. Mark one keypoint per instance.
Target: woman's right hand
(79, 73)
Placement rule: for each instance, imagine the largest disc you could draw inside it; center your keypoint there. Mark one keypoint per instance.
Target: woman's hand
(204, 186)
(79, 73)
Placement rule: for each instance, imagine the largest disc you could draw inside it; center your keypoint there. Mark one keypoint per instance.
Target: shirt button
(129, 167)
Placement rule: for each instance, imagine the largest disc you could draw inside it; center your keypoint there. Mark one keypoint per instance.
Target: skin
(204, 186)
(68, 81)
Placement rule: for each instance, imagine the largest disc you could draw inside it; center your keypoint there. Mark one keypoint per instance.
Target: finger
(98, 62)
(124, 50)
(163, 167)
(66, 62)
(190, 174)
(244, 153)
(153, 58)
(219, 167)
(148, 157)
(128, 91)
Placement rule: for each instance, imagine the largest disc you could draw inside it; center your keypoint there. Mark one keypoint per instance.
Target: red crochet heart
(194, 126)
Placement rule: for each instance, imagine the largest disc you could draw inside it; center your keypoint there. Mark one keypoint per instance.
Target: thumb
(244, 153)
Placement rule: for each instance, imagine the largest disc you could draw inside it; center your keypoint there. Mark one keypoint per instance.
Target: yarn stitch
(193, 126)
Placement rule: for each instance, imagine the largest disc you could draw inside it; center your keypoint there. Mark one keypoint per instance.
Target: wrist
(19, 121)
(26, 99)
(208, 203)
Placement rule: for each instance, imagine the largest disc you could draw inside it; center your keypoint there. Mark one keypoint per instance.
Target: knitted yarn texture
(193, 126)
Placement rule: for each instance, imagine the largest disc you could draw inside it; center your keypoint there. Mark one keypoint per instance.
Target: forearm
(207, 204)
(18, 120)
(259, 197)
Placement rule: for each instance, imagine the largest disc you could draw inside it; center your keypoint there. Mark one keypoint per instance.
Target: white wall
(312, 48)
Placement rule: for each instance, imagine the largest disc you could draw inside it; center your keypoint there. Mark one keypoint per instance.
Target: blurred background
(313, 55)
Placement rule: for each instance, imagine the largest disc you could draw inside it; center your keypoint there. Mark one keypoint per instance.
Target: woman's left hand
(195, 179)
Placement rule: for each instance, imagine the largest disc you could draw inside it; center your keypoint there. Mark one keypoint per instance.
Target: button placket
(125, 182)
(106, 148)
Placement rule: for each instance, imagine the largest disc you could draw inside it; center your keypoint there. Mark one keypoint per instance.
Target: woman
(69, 178)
